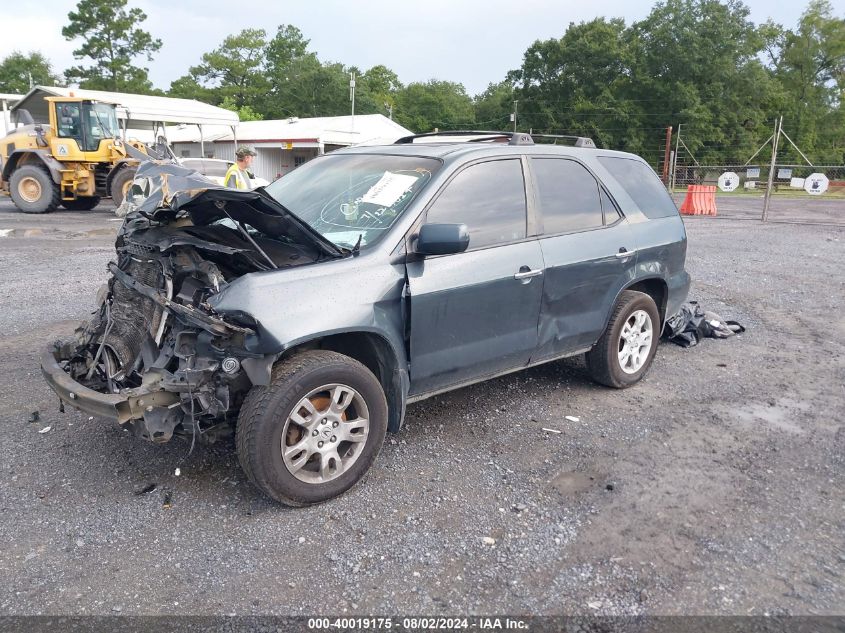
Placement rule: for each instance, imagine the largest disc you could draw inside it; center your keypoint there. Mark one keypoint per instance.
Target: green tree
(300, 85)
(809, 64)
(580, 84)
(381, 85)
(235, 69)
(434, 104)
(113, 41)
(494, 106)
(187, 87)
(696, 62)
(17, 70)
(245, 112)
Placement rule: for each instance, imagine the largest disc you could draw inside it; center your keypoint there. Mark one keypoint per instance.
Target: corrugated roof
(140, 110)
(337, 130)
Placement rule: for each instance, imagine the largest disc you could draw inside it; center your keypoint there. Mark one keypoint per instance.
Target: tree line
(699, 63)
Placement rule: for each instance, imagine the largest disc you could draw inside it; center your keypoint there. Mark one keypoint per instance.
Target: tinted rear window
(642, 184)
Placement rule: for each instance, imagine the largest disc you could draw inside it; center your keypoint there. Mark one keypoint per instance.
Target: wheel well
(657, 290)
(376, 354)
(21, 159)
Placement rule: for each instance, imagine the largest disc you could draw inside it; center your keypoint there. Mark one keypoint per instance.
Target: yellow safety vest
(241, 182)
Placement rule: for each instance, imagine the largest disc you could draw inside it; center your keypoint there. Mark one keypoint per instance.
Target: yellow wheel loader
(74, 161)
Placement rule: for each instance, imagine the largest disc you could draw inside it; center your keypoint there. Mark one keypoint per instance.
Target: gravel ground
(713, 487)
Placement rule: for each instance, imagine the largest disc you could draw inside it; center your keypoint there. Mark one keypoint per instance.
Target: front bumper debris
(122, 407)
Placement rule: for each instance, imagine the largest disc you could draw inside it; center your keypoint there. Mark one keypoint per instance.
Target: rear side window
(568, 195)
(611, 213)
(489, 198)
(642, 184)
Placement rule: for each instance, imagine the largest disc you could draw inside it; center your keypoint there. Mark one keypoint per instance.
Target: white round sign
(728, 181)
(816, 184)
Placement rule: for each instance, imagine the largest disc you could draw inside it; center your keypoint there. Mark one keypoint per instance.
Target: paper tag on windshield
(389, 189)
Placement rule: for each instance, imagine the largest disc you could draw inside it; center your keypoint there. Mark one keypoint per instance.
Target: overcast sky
(473, 42)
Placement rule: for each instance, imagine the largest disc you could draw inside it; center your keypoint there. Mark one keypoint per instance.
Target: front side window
(347, 197)
(568, 195)
(489, 198)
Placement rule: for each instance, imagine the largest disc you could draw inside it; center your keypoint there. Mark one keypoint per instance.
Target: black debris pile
(691, 324)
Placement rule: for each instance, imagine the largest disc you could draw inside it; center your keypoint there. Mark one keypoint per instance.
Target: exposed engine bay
(154, 340)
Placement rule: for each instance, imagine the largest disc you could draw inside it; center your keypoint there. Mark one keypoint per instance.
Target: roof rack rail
(580, 141)
(513, 138)
(481, 136)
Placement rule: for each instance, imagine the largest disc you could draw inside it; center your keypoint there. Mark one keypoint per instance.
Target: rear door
(474, 314)
(588, 250)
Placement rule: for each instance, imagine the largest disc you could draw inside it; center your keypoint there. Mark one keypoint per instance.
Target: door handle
(623, 252)
(527, 274)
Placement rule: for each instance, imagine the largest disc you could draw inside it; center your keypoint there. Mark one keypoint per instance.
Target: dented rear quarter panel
(661, 242)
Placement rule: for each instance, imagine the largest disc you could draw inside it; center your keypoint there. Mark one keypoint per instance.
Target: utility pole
(768, 195)
(666, 155)
(389, 107)
(675, 160)
(515, 103)
(352, 98)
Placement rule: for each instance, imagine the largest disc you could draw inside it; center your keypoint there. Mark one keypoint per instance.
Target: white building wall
(270, 162)
(223, 151)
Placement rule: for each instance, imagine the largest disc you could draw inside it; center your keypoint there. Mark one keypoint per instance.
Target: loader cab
(80, 126)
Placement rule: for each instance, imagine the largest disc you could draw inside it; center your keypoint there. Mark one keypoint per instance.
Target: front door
(474, 314)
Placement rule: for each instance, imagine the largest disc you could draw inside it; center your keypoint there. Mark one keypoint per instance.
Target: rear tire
(33, 190)
(296, 444)
(621, 358)
(82, 203)
(120, 184)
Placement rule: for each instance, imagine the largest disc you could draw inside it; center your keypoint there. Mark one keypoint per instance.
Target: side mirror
(442, 239)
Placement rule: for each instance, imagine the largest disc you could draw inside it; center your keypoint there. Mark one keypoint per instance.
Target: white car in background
(215, 170)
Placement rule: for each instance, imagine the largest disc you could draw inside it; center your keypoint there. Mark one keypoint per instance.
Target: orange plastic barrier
(700, 200)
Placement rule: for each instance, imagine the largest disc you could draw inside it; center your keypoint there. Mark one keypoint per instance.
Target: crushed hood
(163, 191)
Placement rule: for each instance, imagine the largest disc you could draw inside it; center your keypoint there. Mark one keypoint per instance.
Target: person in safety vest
(237, 176)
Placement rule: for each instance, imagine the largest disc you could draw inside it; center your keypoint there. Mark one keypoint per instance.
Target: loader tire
(33, 190)
(120, 184)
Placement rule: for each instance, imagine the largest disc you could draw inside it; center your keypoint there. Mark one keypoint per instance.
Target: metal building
(284, 144)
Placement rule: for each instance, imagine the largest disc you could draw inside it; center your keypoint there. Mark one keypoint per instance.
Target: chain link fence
(798, 193)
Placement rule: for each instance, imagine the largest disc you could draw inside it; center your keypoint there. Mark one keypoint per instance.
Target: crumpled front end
(155, 356)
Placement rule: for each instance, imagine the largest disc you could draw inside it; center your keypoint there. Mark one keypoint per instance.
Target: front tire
(314, 431)
(33, 190)
(624, 353)
(82, 203)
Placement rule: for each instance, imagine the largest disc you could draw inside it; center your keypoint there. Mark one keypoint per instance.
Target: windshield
(347, 197)
(100, 122)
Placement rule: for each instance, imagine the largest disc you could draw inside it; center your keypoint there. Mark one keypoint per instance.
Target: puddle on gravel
(780, 414)
(572, 482)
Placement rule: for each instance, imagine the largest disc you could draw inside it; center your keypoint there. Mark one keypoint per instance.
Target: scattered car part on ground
(691, 324)
(304, 316)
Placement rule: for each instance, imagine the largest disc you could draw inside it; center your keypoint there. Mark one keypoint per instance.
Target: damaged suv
(304, 316)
